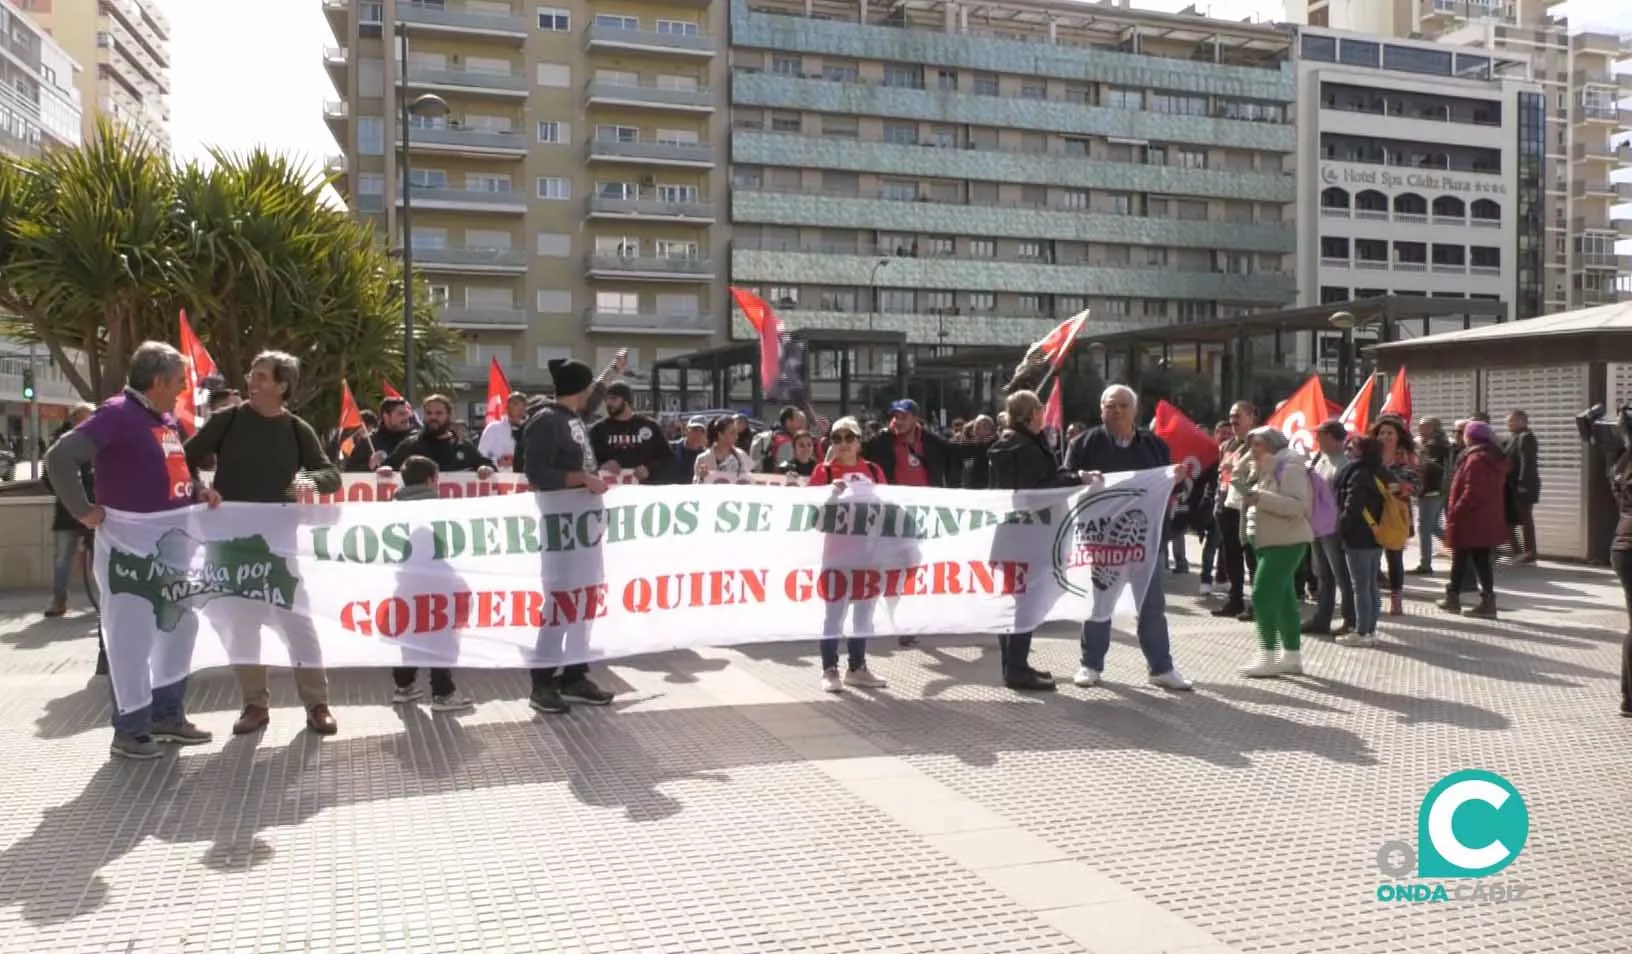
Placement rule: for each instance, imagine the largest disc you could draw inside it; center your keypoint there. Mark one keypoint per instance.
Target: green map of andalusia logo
(183, 574)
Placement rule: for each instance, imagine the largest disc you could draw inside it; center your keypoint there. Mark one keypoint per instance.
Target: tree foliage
(101, 247)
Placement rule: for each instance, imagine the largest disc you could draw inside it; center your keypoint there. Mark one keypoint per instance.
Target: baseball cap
(699, 422)
(905, 406)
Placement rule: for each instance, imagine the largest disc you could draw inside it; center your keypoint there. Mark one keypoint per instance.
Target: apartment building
(565, 170)
(1582, 94)
(970, 174)
(1420, 172)
(123, 46)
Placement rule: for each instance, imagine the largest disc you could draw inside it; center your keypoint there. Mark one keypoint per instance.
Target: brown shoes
(320, 720)
(252, 719)
(57, 610)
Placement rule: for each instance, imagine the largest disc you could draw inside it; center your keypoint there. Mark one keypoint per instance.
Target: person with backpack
(1331, 569)
(772, 448)
(1362, 492)
(1276, 513)
(1475, 518)
(836, 472)
(1400, 459)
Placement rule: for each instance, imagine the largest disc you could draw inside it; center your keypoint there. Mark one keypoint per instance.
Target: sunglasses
(845, 438)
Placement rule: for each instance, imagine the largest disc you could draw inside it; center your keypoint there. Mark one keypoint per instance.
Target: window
(840, 72)
(982, 248)
(481, 182)
(1122, 98)
(1156, 257)
(676, 28)
(1359, 53)
(430, 238)
(1076, 199)
(1028, 304)
(899, 191)
(1118, 307)
(1029, 250)
(946, 80)
(1411, 59)
(784, 295)
(675, 249)
(613, 21)
(687, 84)
(940, 246)
(554, 245)
(786, 122)
(1067, 305)
(1190, 159)
(982, 302)
(554, 188)
(556, 75)
(439, 294)
(428, 179)
(901, 134)
(371, 135)
(549, 131)
(617, 190)
(370, 183)
(554, 20)
(1155, 308)
(1321, 48)
(898, 300)
(904, 75)
(938, 302)
(1033, 89)
(785, 65)
(677, 193)
(617, 77)
(1076, 147)
(617, 303)
(617, 246)
(985, 84)
(607, 132)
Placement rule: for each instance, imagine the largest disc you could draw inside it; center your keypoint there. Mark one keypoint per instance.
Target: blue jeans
(1332, 579)
(62, 562)
(1364, 567)
(1430, 512)
(167, 708)
(1152, 630)
(1175, 544)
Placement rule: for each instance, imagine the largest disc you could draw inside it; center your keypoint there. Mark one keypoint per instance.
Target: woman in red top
(842, 553)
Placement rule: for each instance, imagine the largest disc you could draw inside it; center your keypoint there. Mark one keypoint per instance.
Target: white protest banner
(518, 580)
(367, 488)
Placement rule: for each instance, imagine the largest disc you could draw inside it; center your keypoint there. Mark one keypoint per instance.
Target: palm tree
(100, 246)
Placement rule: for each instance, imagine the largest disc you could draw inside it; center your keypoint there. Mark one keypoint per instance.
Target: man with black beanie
(558, 456)
(634, 442)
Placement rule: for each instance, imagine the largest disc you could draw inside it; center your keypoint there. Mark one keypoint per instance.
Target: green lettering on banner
(905, 521)
(183, 574)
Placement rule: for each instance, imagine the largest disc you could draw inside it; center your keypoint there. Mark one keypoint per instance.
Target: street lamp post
(428, 101)
(872, 282)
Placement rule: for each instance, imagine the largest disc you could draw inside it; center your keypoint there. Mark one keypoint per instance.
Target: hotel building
(1582, 95)
(124, 47)
(1420, 171)
(964, 174)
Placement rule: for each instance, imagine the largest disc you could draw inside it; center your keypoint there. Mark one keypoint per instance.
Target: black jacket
(942, 461)
(1434, 456)
(1357, 495)
(450, 454)
(1022, 461)
(1524, 459)
(363, 447)
(976, 463)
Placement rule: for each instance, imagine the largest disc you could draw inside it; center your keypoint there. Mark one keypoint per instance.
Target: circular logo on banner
(1099, 539)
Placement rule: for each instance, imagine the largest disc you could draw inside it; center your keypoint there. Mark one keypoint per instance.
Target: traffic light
(28, 384)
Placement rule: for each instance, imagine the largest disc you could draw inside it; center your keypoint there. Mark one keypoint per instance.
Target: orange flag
(1300, 414)
(389, 391)
(498, 391)
(350, 419)
(1398, 401)
(1186, 442)
(199, 366)
(1357, 416)
(769, 329)
(1054, 411)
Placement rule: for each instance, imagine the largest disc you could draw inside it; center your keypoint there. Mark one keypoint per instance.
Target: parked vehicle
(8, 465)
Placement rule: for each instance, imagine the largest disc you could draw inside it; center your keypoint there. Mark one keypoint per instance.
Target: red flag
(199, 366)
(1054, 411)
(389, 391)
(1052, 348)
(350, 418)
(1300, 414)
(769, 329)
(1187, 443)
(498, 391)
(1398, 401)
(1357, 416)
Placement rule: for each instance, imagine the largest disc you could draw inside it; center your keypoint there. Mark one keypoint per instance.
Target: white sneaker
(406, 694)
(1266, 666)
(831, 681)
(452, 702)
(1358, 640)
(1086, 678)
(1206, 589)
(863, 678)
(1172, 679)
(1292, 662)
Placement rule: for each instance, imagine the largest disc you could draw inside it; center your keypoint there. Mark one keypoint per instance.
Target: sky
(270, 90)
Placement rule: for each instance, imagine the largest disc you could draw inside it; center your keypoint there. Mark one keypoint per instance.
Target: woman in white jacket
(1277, 523)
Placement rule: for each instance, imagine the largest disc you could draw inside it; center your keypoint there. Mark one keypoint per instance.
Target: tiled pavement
(725, 805)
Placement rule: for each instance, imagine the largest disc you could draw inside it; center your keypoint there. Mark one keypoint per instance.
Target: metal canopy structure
(1602, 333)
(724, 366)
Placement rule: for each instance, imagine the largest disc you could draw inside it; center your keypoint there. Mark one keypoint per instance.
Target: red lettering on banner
(696, 590)
(942, 578)
(440, 613)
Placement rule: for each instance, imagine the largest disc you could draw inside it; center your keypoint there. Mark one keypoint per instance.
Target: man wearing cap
(910, 454)
(559, 456)
(499, 439)
(687, 449)
(628, 442)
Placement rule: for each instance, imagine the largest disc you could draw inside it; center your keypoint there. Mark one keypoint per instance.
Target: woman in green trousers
(1277, 526)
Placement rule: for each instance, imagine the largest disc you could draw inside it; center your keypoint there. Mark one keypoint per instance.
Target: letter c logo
(1472, 824)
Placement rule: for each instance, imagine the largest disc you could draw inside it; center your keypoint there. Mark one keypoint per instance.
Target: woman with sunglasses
(844, 464)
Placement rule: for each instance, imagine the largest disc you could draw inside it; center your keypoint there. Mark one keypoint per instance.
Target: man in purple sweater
(135, 448)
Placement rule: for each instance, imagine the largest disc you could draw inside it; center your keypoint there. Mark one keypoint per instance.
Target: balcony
(609, 39)
(648, 323)
(1594, 188)
(1595, 150)
(336, 109)
(789, 268)
(1604, 260)
(336, 57)
(700, 212)
(692, 155)
(462, 259)
(478, 318)
(474, 81)
(648, 268)
(456, 20)
(467, 142)
(648, 96)
(1014, 220)
(928, 329)
(335, 164)
(991, 165)
(1059, 117)
(468, 200)
(1597, 44)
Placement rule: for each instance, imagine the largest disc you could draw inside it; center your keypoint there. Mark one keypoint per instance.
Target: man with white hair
(1119, 444)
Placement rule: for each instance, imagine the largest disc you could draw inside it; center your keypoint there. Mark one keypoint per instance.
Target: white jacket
(1280, 518)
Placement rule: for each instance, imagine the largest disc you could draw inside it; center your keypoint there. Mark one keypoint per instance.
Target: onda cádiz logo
(1471, 825)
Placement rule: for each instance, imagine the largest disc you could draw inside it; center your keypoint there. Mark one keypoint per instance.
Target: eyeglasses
(845, 438)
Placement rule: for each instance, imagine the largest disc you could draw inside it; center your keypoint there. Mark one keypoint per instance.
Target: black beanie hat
(570, 376)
